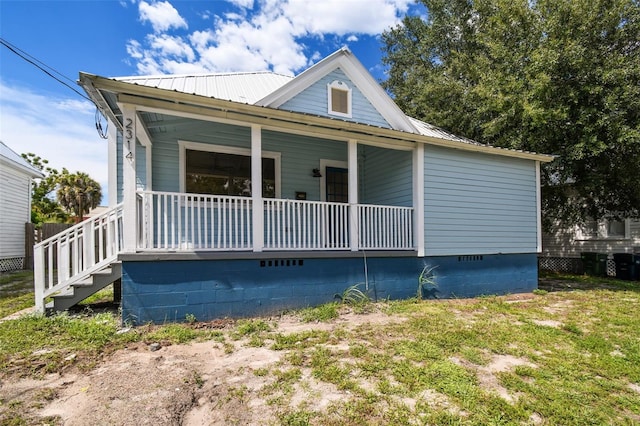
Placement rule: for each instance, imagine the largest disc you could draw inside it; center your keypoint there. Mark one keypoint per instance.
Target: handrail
(72, 255)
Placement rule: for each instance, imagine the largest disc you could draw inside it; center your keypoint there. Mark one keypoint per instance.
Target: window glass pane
(339, 100)
(615, 228)
(225, 174)
(590, 229)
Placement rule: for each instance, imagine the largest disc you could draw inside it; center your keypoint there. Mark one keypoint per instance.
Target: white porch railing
(75, 253)
(385, 227)
(196, 222)
(305, 225)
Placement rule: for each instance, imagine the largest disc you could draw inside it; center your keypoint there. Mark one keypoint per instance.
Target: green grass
(16, 292)
(574, 353)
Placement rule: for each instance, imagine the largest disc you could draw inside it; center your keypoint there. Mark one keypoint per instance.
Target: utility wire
(41, 66)
(36, 63)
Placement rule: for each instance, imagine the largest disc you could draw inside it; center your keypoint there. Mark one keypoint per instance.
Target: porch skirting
(166, 288)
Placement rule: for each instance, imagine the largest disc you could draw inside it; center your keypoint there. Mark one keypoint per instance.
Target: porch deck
(170, 222)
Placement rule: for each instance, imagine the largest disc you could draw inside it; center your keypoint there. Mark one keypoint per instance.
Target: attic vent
(473, 258)
(339, 98)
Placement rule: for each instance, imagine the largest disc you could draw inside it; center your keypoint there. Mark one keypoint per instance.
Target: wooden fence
(35, 235)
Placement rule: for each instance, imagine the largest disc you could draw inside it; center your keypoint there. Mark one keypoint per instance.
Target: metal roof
(8, 155)
(243, 87)
(430, 130)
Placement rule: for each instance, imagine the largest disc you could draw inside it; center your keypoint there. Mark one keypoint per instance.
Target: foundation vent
(471, 258)
(276, 263)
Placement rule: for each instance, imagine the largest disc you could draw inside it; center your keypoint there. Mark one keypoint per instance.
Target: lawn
(568, 354)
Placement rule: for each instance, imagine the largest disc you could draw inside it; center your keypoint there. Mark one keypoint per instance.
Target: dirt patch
(487, 374)
(193, 384)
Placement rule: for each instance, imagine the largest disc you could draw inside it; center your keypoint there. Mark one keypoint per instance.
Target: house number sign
(128, 135)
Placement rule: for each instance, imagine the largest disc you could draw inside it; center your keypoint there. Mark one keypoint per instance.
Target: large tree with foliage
(44, 206)
(553, 76)
(78, 193)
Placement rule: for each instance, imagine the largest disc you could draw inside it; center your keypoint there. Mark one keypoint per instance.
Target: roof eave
(98, 84)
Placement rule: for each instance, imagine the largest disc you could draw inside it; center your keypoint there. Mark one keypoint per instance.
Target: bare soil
(202, 383)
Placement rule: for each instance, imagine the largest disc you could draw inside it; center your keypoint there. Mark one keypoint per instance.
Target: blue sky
(130, 37)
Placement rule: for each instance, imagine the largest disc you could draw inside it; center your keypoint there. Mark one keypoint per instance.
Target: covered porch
(198, 222)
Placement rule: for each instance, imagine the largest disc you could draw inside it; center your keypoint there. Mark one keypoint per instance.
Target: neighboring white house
(562, 248)
(16, 177)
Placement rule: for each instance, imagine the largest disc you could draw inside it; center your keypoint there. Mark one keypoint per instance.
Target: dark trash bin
(594, 264)
(627, 266)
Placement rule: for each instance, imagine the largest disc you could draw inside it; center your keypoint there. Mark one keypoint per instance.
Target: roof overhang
(154, 99)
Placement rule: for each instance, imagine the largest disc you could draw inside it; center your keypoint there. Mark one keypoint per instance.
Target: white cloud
(261, 35)
(344, 17)
(247, 4)
(172, 46)
(161, 15)
(59, 130)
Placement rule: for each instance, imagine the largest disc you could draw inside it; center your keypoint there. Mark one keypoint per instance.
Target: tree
(558, 77)
(78, 193)
(44, 207)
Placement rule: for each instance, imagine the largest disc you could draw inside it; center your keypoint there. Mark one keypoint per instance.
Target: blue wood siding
(166, 152)
(141, 166)
(477, 203)
(313, 100)
(119, 181)
(299, 156)
(385, 176)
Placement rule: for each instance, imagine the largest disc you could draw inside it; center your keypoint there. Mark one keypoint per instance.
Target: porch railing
(385, 227)
(305, 225)
(76, 252)
(192, 222)
(197, 222)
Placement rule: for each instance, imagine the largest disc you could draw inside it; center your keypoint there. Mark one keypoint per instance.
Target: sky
(114, 38)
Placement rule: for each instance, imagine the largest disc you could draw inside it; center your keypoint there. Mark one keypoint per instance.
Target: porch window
(220, 170)
(339, 99)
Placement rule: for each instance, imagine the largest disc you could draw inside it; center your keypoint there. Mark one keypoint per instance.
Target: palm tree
(78, 193)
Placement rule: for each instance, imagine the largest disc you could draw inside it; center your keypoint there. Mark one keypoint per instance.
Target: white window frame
(603, 232)
(339, 85)
(223, 149)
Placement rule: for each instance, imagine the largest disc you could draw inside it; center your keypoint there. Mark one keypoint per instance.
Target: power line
(41, 66)
(36, 63)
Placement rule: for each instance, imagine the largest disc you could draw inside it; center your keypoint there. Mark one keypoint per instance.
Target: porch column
(257, 205)
(353, 195)
(129, 226)
(418, 198)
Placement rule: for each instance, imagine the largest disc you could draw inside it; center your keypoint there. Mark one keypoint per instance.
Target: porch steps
(80, 290)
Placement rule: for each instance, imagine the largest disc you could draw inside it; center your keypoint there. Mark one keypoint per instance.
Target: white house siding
(313, 100)
(14, 211)
(478, 203)
(563, 243)
(385, 176)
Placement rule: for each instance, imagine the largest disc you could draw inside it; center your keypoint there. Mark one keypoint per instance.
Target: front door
(337, 192)
(337, 185)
